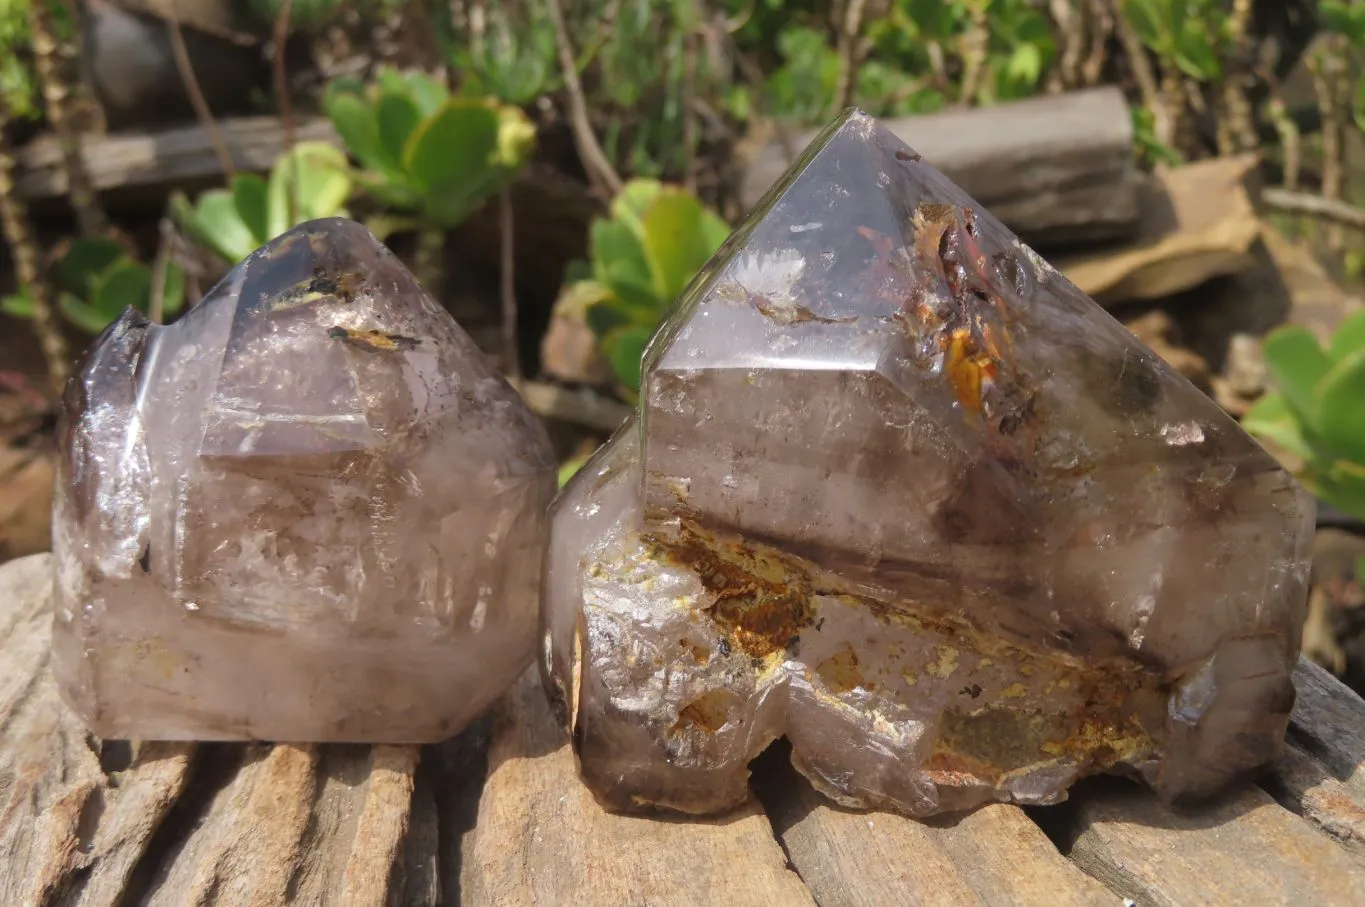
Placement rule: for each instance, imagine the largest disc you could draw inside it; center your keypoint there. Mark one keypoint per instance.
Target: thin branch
(1291, 140)
(511, 354)
(581, 407)
(292, 202)
(975, 45)
(600, 170)
(156, 305)
(1241, 120)
(197, 101)
(18, 233)
(1163, 119)
(1101, 28)
(1070, 19)
(1332, 210)
(90, 218)
(849, 56)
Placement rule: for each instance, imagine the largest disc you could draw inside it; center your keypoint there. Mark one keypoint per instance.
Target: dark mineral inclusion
(899, 491)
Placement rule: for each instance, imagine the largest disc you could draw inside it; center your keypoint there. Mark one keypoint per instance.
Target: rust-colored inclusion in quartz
(898, 491)
(308, 510)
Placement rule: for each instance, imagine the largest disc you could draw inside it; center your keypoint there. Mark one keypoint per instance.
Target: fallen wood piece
(163, 160)
(1056, 169)
(992, 856)
(542, 839)
(1197, 223)
(1244, 848)
(582, 406)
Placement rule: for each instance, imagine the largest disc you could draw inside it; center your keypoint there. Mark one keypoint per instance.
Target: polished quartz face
(308, 510)
(900, 492)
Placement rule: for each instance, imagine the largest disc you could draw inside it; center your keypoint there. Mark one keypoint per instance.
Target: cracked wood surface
(497, 816)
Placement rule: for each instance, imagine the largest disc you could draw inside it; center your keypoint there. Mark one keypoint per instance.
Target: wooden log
(542, 838)
(1057, 169)
(153, 163)
(498, 816)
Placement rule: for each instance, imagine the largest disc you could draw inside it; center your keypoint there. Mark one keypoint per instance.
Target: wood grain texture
(542, 839)
(1055, 169)
(992, 856)
(1243, 848)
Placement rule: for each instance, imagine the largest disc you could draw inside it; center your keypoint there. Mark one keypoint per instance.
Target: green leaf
(677, 241)
(634, 199)
(173, 290)
(128, 284)
(1271, 419)
(1339, 415)
(1196, 55)
(397, 116)
(81, 314)
(85, 260)
(606, 315)
(1349, 336)
(315, 175)
(354, 119)
(624, 349)
(17, 306)
(218, 224)
(428, 93)
(1151, 22)
(1297, 363)
(1342, 485)
(621, 264)
(251, 200)
(450, 159)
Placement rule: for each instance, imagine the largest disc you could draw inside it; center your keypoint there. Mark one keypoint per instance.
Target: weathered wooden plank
(991, 856)
(1007, 859)
(162, 159)
(542, 839)
(1055, 169)
(1322, 774)
(1243, 848)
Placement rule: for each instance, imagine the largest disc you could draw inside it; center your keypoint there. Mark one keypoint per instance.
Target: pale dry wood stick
(600, 171)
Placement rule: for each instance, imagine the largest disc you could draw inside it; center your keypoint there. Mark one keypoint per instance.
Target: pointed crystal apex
(893, 465)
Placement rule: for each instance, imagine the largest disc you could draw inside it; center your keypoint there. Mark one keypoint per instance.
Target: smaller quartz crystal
(901, 493)
(308, 510)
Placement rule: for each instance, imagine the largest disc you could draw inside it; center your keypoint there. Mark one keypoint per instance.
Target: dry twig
(975, 44)
(511, 355)
(1153, 98)
(23, 248)
(1101, 28)
(1241, 126)
(1332, 210)
(90, 218)
(600, 170)
(281, 35)
(850, 56)
(196, 95)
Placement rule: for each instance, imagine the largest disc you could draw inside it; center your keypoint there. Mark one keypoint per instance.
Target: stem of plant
(292, 201)
(196, 95)
(511, 364)
(90, 219)
(1163, 119)
(1101, 28)
(24, 251)
(600, 170)
(849, 56)
(975, 44)
(1241, 121)
(1324, 66)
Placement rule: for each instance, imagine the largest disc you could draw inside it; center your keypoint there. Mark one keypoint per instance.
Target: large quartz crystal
(308, 510)
(898, 491)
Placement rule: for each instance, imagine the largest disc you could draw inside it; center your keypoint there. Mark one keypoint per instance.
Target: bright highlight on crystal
(900, 492)
(308, 510)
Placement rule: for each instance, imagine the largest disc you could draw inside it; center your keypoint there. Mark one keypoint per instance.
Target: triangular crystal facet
(896, 481)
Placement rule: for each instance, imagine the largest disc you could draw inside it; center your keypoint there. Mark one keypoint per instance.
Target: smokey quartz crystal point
(899, 491)
(308, 510)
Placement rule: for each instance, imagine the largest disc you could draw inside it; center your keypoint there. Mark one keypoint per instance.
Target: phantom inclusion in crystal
(901, 493)
(308, 510)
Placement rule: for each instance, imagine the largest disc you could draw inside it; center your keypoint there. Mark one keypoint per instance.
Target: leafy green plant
(1317, 412)
(432, 157)
(643, 256)
(1186, 32)
(96, 281)
(18, 87)
(309, 182)
(515, 61)
(1348, 20)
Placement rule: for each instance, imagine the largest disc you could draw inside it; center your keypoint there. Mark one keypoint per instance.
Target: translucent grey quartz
(307, 510)
(900, 492)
